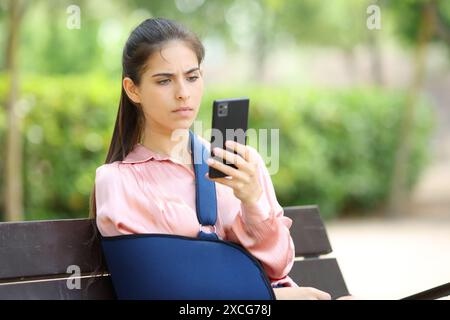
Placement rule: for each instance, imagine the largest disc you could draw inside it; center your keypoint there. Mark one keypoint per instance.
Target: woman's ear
(131, 89)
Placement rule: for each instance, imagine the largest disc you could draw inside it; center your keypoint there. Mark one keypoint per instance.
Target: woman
(147, 187)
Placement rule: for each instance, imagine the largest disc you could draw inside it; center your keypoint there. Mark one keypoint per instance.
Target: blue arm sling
(171, 267)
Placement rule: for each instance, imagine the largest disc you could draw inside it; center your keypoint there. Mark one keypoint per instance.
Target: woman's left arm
(261, 226)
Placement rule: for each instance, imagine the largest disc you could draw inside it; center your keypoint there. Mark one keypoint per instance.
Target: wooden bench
(311, 242)
(35, 259)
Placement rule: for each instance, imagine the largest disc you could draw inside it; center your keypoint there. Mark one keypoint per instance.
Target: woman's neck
(173, 144)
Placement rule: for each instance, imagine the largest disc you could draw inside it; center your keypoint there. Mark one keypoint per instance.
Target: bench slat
(308, 231)
(323, 274)
(99, 288)
(34, 248)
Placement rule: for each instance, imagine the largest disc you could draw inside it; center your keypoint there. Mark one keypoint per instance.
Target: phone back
(230, 122)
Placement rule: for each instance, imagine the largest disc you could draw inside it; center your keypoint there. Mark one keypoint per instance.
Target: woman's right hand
(300, 293)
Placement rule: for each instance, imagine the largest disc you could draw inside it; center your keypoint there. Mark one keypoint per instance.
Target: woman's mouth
(184, 112)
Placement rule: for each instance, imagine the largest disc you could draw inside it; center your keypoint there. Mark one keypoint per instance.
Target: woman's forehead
(172, 57)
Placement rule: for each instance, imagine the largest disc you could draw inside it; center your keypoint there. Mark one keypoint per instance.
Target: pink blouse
(152, 193)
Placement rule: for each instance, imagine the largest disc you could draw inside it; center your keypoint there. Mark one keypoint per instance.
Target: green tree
(419, 22)
(13, 167)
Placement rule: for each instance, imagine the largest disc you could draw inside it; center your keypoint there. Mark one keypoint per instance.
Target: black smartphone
(229, 122)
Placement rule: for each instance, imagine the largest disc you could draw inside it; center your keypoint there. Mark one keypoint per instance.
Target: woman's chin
(185, 124)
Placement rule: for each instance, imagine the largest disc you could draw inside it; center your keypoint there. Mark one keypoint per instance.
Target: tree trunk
(13, 167)
(399, 188)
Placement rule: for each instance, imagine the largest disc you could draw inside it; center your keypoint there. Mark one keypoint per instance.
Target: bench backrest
(311, 243)
(38, 259)
(35, 257)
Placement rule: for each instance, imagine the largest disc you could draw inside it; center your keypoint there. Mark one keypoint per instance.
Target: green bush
(66, 131)
(336, 146)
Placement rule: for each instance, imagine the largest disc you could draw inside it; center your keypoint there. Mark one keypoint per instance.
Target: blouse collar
(140, 154)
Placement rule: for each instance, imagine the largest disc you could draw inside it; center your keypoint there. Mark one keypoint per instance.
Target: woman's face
(171, 81)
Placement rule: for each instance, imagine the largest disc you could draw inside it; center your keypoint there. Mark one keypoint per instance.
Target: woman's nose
(182, 92)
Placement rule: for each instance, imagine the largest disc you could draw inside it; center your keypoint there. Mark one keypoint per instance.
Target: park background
(359, 91)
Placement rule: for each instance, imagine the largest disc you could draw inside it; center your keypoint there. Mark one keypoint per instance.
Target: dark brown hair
(147, 38)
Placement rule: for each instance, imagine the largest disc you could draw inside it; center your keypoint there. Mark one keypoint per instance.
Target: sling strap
(205, 190)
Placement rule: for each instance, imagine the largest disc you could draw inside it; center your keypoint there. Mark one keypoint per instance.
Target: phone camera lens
(223, 110)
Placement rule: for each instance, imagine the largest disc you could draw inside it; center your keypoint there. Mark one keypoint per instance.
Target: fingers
(225, 181)
(319, 294)
(243, 176)
(242, 150)
(229, 157)
(235, 159)
(236, 174)
(301, 293)
(350, 297)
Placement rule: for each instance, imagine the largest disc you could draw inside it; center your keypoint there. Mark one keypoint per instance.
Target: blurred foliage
(66, 124)
(48, 46)
(406, 17)
(336, 146)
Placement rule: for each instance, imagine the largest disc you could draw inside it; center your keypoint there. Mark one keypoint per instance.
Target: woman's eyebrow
(168, 74)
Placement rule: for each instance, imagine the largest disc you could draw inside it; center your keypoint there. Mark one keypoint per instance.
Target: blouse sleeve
(112, 201)
(263, 230)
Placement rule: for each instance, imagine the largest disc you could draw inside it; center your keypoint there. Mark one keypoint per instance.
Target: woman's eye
(193, 78)
(163, 82)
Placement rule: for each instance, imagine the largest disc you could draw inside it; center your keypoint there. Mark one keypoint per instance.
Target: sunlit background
(359, 91)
